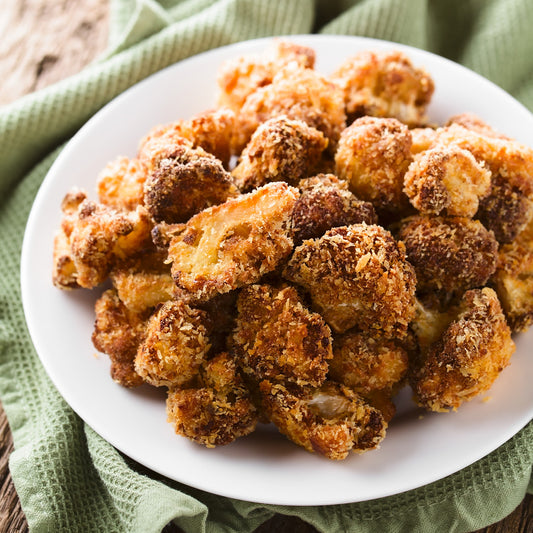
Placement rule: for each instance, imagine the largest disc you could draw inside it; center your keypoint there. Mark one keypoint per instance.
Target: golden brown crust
(218, 411)
(423, 139)
(325, 202)
(467, 357)
(278, 339)
(384, 84)
(118, 333)
(331, 420)
(357, 276)
(446, 180)
(233, 244)
(279, 150)
(449, 254)
(373, 156)
(472, 122)
(174, 346)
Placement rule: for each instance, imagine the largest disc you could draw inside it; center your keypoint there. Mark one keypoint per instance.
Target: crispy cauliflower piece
(216, 411)
(331, 420)
(467, 357)
(118, 331)
(472, 122)
(357, 276)
(240, 77)
(422, 139)
(120, 185)
(280, 150)
(181, 186)
(277, 338)
(300, 94)
(373, 156)
(449, 254)
(384, 84)
(92, 237)
(325, 202)
(175, 345)
(233, 244)
(446, 180)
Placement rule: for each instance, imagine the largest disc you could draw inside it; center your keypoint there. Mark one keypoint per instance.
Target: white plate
(263, 467)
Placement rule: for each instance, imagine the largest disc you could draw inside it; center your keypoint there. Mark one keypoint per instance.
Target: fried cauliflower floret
(216, 412)
(357, 276)
(300, 94)
(120, 184)
(373, 156)
(384, 84)
(280, 150)
(233, 244)
(277, 338)
(331, 420)
(143, 281)
(446, 180)
(472, 122)
(92, 237)
(368, 363)
(325, 202)
(469, 355)
(240, 77)
(422, 139)
(174, 346)
(181, 186)
(449, 254)
(118, 332)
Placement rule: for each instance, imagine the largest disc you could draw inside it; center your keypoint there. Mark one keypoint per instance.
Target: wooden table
(43, 41)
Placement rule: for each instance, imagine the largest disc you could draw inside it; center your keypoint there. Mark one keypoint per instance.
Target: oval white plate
(263, 467)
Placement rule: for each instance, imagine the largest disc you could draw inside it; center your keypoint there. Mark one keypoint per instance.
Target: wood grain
(43, 41)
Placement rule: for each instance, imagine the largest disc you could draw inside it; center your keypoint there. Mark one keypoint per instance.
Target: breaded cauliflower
(467, 357)
(449, 254)
(175, 344)
(446, 180)
(278, 339)
(331, 420)
(422, 139)
(325, 202)
(384, 84)
(472, 122)
(120, 185)
(181, 186)
(373, 156)
(118, 332)
(92, 238)
(215, 411)
(357, 276)
(300, 94)
(240, 77)
(280, 150)
(233, 244)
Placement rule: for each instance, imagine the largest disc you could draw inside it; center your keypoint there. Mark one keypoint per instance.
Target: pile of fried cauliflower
(304, 250)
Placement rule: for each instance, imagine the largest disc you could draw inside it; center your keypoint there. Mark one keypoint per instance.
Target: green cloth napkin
(68, 478)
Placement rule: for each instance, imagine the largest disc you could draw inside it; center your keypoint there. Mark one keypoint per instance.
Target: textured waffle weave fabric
(68, 478)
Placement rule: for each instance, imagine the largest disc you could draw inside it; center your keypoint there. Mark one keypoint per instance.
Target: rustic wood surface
(43, 41)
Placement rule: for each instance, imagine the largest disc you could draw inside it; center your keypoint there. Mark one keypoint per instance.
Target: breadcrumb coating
(280, 150)
(449, 254)
(325, 202)
(357, 276)
(278, 339)
(120, 185)
(373, 155)
(238, 78)
(446, 180)
(331, 420)
(300, 94)
(117, 332)
(92, 237)
(216, 412)
(384, 84)
(181, 186)
(174, 346)
(467, 358)
(235, 243)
